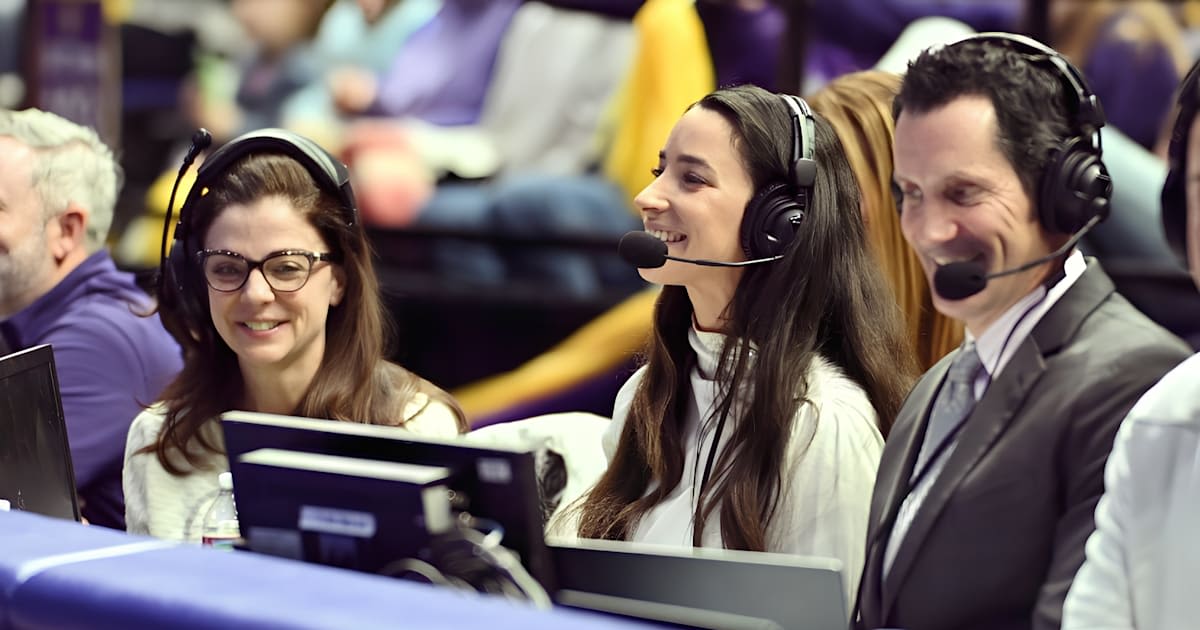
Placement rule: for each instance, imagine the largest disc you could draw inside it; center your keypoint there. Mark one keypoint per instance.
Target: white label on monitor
(493, 470)
(328, 520)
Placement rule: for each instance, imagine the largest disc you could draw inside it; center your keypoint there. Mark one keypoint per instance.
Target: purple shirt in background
(851, 35)
(442, 72)
(111, 362)
(744, 44)
(1135, 82)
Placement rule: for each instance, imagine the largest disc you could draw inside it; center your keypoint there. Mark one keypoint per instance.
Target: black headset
(1174, 192)
(180, 282)
(1075, 185)
(775, 212)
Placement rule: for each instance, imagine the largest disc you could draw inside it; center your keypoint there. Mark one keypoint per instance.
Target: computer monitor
(745, 589)
(347, 512)
(491, 483)
(36, 473)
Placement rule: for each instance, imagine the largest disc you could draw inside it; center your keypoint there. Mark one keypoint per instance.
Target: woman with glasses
(285, 318)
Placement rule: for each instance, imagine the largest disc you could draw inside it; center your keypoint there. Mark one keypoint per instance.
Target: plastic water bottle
(221, 522)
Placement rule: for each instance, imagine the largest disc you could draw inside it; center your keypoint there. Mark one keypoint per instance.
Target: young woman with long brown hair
(758, 419)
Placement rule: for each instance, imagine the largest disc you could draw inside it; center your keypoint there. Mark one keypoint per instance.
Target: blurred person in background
(859, 106)
(1133, 55)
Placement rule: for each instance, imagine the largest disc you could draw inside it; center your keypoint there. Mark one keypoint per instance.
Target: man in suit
(989, 478)
(1143, 558)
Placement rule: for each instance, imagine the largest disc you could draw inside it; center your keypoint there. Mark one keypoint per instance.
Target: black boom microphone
(201, 140)
(646, 251)
(961, 280)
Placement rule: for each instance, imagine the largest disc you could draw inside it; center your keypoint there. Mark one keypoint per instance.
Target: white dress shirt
(1143, 560)
(831, 461)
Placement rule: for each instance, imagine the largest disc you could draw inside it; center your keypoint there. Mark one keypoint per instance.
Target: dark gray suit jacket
(999, 537)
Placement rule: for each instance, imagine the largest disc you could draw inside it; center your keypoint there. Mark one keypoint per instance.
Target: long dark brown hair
(354, 382)
(825, 298)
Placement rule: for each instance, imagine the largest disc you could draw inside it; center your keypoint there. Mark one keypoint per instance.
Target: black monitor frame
(489, 482)
(36, 470)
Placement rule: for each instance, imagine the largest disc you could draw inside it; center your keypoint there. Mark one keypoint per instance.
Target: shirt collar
(1000, 341)
(708, 346)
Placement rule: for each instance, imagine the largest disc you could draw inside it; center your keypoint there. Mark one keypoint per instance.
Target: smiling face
(268, 330)
(963, 201)
(26, 265)
(696, 203)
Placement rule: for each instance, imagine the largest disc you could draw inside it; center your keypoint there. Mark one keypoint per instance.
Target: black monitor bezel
(41, 357)
(520, 515)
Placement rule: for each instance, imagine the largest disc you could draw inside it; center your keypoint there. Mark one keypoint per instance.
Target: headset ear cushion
(771, 220)
(1076, 187)
(181, 287)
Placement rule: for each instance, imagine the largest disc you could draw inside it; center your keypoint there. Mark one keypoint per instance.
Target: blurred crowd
(507, 138)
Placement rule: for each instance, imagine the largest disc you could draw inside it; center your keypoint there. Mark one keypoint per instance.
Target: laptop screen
(35, 458)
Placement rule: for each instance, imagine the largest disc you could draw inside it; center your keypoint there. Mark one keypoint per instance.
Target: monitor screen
(36, 474)
(491, 483)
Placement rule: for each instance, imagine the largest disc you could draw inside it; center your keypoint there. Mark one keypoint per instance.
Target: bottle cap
(225, 481)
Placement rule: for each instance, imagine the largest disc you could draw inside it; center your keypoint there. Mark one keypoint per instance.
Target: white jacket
(1143, 560)
(830, 464)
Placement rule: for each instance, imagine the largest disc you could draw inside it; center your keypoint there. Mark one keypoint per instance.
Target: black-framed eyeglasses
(285, 271)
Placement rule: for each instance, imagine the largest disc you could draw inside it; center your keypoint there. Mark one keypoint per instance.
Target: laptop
(36, 474)
(697, 587)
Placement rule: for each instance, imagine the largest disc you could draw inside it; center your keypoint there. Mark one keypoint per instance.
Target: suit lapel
(892, 479)
(983, 427)
(992, 415)
(908, 431)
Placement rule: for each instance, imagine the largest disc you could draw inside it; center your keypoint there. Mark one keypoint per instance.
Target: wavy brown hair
(826, 298)
(354, 383)
(859, 106)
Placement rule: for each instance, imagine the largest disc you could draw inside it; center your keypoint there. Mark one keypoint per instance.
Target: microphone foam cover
(201, 140)
(642, 250)
(959, 280)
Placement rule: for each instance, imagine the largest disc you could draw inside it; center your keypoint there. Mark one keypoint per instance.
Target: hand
(353, 89)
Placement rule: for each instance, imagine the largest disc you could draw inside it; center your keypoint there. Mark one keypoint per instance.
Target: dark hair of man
(826, 297)
(1029, 97)
(354, 381)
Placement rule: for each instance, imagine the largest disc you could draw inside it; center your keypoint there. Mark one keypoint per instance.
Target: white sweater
(173, 507)
(831, 461)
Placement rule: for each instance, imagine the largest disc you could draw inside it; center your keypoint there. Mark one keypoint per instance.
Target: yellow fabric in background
(671, 69)
(140, 244)
(599, 346)
(116, 11)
